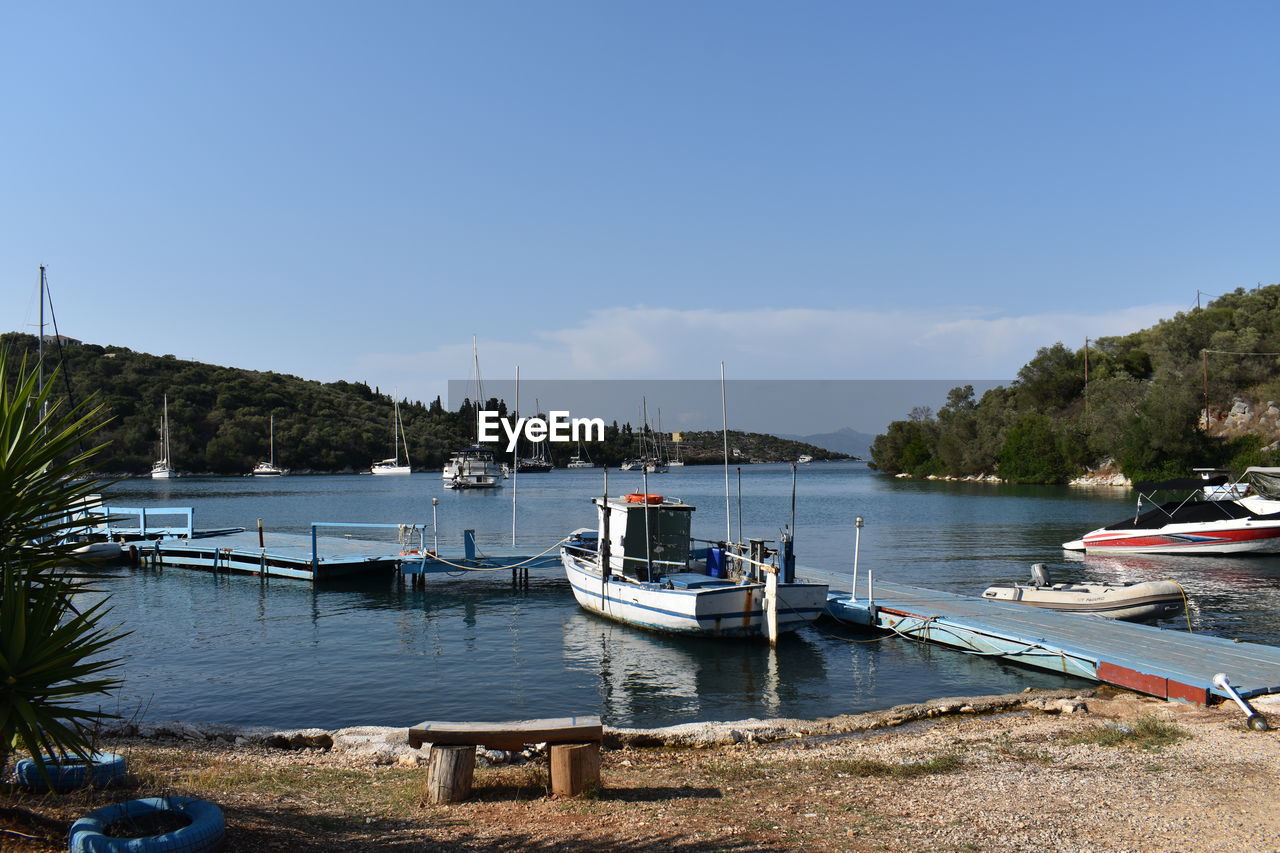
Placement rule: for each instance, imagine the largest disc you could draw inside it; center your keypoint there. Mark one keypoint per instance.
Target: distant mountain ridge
(844, 440)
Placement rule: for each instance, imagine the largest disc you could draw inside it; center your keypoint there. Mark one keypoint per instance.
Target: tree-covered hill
(219, 417)
(1138, 399)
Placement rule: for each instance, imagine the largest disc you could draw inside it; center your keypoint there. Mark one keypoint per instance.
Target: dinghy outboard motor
(1040, 575)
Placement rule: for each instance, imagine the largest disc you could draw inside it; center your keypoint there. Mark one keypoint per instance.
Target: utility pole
(1086, 380)
(1204, 363)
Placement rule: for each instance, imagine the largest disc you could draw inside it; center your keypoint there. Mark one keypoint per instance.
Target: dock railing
(315, 553)
(110, 527)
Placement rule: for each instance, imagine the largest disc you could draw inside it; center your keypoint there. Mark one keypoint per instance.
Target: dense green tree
(1033, 452)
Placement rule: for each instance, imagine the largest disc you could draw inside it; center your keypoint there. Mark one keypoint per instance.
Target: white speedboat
(392, 465)
(1193, 525)
(641, 569)
(472, 468)
(1133, 602)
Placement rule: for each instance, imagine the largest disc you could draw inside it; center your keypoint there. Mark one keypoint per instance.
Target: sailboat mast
(395, 431)
(44, 409)
(724, 414)
(515, 463)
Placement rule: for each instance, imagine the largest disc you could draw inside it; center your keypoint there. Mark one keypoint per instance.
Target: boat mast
(724, 414)
(515, 461)
(479, 401)
(44, 408)
(164, 433)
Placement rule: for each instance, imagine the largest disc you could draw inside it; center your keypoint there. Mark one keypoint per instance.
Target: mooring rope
(438, 559)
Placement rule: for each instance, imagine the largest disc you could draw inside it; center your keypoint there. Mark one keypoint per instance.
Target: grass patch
(1145, 732)
(948, 762)
(735, 772)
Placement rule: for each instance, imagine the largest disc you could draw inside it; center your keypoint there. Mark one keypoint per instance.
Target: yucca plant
(52, 653)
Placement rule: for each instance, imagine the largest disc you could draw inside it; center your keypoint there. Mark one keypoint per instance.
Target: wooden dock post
(450, 771)
(575, 769)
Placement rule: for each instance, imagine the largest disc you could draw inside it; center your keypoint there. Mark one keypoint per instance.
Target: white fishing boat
(640, 567)
(162, 469)
(1133, 602)
(269, 468)
(1195, 525)
(804, 459)
(472, 468)
(393, 465)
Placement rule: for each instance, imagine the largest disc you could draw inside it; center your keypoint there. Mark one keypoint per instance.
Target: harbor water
(242, 650)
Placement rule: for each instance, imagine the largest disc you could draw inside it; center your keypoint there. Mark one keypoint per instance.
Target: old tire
(206, 832)
(103, 768)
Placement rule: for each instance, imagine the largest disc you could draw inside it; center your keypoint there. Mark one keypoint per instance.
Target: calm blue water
(232, 649)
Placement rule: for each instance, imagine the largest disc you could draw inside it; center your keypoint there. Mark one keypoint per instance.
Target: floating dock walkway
(1160, 662)
(312, 557)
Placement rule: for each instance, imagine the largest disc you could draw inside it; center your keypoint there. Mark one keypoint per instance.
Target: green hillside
(1142, 405)
(219, 417)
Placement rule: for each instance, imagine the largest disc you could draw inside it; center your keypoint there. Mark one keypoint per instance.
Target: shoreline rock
(383, 745)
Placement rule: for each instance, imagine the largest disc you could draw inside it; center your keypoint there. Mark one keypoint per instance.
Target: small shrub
(1145, 732)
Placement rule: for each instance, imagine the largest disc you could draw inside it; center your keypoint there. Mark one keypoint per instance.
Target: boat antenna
(740, 539)
(724, 414)
(793, 499)
(648, 542)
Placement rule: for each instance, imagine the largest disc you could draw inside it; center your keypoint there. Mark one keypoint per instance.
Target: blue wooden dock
(1161, 662)
(314, 556)
(287, 555)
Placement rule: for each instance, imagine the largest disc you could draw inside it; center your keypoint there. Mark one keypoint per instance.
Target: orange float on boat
(638, 498)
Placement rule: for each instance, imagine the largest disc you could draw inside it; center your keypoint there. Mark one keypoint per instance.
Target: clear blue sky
(631, 189)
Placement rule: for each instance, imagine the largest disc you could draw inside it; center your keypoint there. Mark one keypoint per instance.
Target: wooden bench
(574, 741)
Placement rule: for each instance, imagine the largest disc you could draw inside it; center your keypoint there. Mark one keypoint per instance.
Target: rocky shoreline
(384, 745)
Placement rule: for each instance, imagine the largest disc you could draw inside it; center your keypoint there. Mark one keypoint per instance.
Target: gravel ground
(936, 777)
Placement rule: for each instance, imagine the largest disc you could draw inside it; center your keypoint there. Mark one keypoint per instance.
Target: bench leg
(575, 768)
(450, 771)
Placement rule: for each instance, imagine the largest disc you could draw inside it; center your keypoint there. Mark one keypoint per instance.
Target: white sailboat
(269, 468)
(582, 460)
(392, 465)
(162, 468)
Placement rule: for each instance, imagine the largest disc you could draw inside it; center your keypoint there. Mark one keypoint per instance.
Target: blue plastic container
(715, 562)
